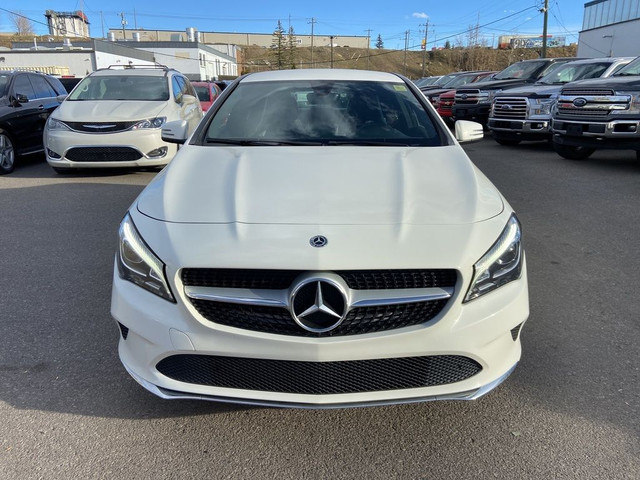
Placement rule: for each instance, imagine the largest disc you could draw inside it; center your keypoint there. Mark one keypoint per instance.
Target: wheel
(507, 141)
(7, 153)
(573, 152)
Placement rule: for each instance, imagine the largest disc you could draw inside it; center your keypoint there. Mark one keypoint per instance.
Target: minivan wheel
(7, 153)
(573, 152)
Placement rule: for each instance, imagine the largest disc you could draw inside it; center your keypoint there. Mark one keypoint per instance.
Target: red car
(207, 93)
(445, 104)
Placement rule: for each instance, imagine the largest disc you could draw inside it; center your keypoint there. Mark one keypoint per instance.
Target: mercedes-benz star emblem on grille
(318, 305)
(580, 102)
(318, 241)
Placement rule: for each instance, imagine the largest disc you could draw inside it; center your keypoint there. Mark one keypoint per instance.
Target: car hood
(497, 84)
(108, 110)
(334, 185)
(532, 90)
(616, 82)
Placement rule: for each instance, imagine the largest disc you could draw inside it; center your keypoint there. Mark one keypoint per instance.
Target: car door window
(22, 86)
(41, 87)
(178, 88)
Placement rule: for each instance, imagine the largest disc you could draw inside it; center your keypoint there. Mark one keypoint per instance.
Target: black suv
(26, 101)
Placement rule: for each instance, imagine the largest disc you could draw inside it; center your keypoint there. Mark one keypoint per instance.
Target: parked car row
(110, 118)
(580, 104)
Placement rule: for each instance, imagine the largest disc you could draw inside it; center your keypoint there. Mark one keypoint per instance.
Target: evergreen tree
(279, 47)
(447, 44)
(291, 48)
(379, 42)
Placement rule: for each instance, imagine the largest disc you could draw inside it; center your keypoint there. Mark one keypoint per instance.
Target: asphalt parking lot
(570, 410)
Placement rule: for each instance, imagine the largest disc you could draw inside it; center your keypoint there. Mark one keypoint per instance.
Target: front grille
(587, 92)
(100, 127)
(512, 108)
(515, 331)
(103, 154)
(467, 97)
(357, 322)
(583, 112)
(124, 331)
(318, 378)
(355, 279)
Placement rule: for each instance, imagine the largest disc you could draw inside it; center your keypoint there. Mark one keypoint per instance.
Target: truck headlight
(138, 264)
(501, 264)
(542, 106)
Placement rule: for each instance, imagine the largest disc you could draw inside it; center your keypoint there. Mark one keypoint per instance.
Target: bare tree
(23, 25)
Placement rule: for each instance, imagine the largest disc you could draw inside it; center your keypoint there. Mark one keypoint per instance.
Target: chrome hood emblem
(318, 305)
(318, 241)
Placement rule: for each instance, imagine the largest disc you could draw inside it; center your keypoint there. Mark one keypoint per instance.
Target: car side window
(189, 90)
(57, 85)
(41, 87)
(178, 88)
(23, 86)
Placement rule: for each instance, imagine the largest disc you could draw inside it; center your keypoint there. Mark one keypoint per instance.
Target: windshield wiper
(366, 143)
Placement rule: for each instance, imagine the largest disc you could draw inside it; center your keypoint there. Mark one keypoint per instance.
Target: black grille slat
(103, 154)
(355, 279)
(357, 322)
(587, 92)
(318, 378)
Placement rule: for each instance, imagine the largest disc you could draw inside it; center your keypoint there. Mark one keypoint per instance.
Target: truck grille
(467, 97)
(318, 378)
(512, 108)
(103, 154)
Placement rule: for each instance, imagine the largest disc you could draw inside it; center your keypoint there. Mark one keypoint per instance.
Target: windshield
(444, 80)
(461, 80)
(519, 70)
(570, 72)
(121, 87)
(203, 93)
(322, 113)
(632, 69)
(4, 81)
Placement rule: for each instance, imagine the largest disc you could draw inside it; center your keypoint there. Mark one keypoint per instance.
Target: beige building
(242, 39)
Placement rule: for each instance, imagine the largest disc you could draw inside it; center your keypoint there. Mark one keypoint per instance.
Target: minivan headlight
(501, 264)
(150, 123)
(53, 124)
(138, 264)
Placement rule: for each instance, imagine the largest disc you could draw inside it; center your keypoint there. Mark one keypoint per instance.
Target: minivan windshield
(323, 112)
(121, 87)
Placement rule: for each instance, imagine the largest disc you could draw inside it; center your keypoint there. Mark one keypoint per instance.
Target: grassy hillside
(439, 62)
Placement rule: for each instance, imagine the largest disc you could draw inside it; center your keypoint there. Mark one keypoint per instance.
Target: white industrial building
(67, 24)
(610, 28)
(76, 59)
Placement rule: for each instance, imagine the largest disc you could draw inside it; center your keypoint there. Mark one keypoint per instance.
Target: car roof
(322, 74)
(602, 59)
(143, 72)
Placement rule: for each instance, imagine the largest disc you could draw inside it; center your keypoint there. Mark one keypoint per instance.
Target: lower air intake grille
(318, 378)
(103, 154)
(279, 321)
(124, 331)
(515, 331)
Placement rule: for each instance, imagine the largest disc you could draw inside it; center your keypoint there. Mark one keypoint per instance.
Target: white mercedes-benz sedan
(321, 240)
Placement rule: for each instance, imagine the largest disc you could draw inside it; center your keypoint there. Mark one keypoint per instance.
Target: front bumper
(138, 144)
(481, 330)
(521, 129)
(615, 134)
(472, 112)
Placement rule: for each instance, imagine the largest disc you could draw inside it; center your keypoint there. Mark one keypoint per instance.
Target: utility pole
(424, 49)
(102, 22)
(368, 45)
(544, 28)
(135, 19)
(406, 47)
(124, 22)
(312, 22)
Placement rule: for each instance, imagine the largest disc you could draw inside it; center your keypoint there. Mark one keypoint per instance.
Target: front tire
(573, 152)
(7, 153)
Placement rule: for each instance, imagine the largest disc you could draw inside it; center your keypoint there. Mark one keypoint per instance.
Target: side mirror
(467, 131)
(21, 98)
(189, 99)
(176, 131)
(60, 98)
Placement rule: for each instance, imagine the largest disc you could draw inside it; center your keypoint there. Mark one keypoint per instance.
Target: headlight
(542, 106)
(138, 264)
(500, 265)
(487, 96)
(53, 124)
(150, 123)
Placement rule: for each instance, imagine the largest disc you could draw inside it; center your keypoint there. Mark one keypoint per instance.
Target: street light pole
(544, 28)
